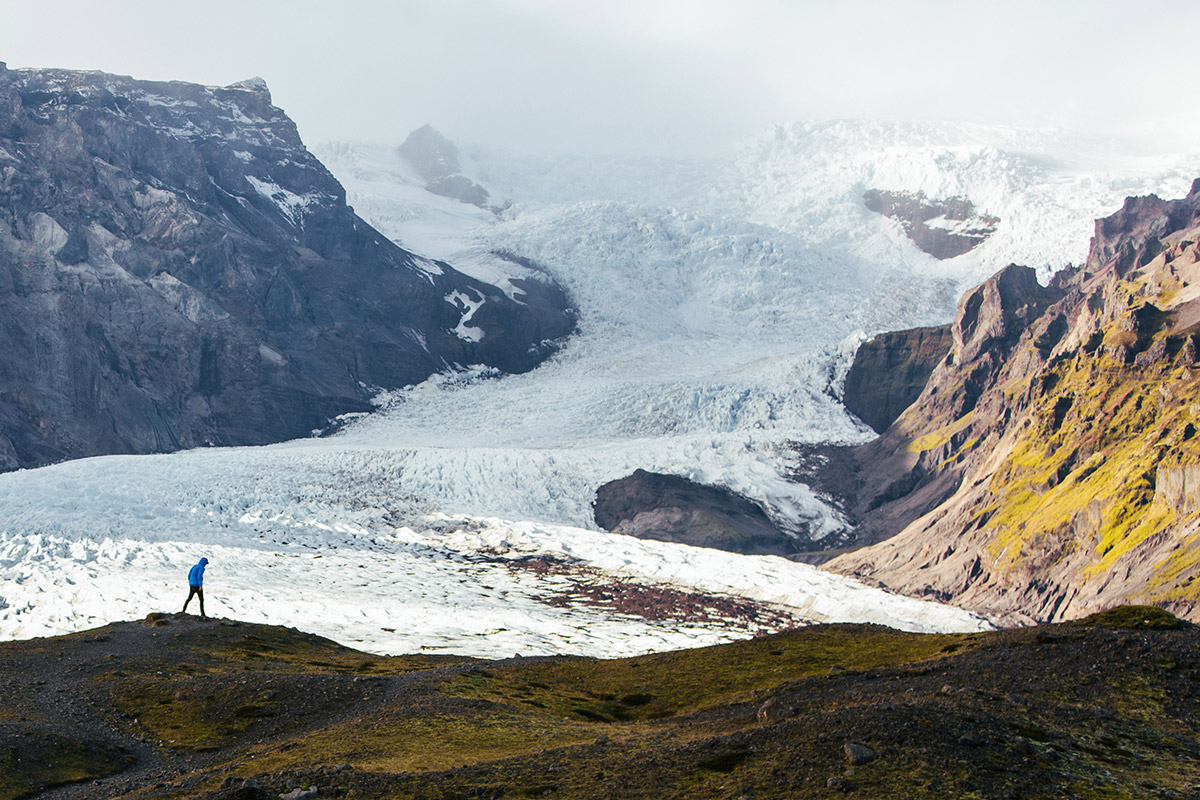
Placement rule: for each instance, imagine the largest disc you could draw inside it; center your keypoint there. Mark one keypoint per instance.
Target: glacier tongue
(719, 302)
(718, 298)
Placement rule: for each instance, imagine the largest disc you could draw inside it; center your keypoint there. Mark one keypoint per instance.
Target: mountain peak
(255, 84)
(435, 158)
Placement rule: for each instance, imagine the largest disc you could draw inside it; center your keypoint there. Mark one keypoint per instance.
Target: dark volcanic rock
(176, 269)
(435, 158)
(942, 228)
(668, 508)
(890, 371)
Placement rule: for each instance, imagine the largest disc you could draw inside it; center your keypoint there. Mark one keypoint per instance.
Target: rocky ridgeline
(1049, 467)
(176, 269)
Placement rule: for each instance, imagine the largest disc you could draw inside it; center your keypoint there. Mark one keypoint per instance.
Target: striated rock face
(668, 508)
(1050, 466)
(435, 158)
(890, 371)
(943, 228)
(177, 270)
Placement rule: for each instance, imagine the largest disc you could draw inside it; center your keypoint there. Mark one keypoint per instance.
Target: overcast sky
(646, 76)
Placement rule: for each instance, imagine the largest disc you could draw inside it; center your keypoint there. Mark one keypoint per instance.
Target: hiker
(196, 585)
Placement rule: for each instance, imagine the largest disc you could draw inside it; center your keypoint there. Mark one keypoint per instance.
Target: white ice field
(720, 302)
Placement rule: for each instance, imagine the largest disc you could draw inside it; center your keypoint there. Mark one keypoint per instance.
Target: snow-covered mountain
(719, 303)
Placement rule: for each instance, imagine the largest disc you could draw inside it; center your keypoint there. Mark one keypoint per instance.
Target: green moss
(1084, 476)
(1133, 618)
(939, 438)
(398, 740)
(283, 650)
(669, 684)
(39, 760)
(192, 713)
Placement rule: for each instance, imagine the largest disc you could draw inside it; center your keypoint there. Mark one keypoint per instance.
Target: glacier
(720, 300)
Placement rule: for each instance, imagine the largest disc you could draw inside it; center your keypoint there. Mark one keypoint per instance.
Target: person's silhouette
(196, 585)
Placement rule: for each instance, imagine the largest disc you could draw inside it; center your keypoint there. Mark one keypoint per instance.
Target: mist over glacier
(720, 302)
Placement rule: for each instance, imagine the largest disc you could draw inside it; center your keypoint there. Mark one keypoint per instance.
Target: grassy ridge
(1102, 708)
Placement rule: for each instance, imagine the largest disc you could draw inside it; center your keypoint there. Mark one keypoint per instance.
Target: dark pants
(196, 591)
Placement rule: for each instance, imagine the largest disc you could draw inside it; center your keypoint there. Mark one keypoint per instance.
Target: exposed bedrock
(435, 158)
(176, 270)
(944, 228)
(890, 371)
(669, 508)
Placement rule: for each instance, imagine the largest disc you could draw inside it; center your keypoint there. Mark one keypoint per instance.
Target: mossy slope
(1051, 468)
(1103, 708)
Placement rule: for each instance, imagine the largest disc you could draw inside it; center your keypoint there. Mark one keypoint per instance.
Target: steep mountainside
(1051, 466)
(176, 269)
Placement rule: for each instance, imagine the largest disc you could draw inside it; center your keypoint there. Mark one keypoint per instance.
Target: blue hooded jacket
(196, 575)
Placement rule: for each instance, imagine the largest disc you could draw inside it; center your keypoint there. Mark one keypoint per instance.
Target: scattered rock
(858, 754)
(840, 784)
(775, 710)
(301, 794)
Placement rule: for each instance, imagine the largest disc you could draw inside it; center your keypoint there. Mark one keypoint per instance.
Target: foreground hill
(177, 270)
(1051, 467)
(175, 706)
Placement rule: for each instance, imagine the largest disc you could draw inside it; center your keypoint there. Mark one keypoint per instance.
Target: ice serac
(890, 371)
(176, 269)
(1049, 467)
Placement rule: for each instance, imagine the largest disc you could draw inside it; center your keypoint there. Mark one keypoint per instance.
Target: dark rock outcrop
(176, 270)
(943, 228)
(668, 508)
(890, 371)
(435, 158)
(1047, 470)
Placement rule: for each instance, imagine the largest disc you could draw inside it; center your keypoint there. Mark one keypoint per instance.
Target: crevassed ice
(720, 302)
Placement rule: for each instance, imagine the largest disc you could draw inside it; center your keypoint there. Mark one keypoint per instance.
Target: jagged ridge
(1050, 467)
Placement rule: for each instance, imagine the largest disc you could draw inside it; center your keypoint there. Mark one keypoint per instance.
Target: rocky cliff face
(1049, 468)
(890, 371)
(177, 270)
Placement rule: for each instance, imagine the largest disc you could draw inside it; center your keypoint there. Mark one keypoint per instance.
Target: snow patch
(468, 307)
(290, 204)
